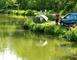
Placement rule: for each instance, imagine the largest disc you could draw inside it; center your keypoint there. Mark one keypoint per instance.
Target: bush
(62, 12)
(59, 30)
(51, 17)
(75, 8)
(10, 11)
(36, 28)
(20, 12)
(3, 11)
(50, 12)
(71, 35)
(29, 13)
(49, 30)
(54, 30)
(31, 25)
(26, 24)
(36, 12)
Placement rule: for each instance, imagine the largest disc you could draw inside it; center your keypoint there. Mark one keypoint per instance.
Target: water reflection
(8, 55)
(17, 44)
(25, 47)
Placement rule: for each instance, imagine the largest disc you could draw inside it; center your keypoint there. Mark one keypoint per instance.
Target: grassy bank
(20, 12)
(47, 28)
(51, 29)
(49, 14)
(71, 35)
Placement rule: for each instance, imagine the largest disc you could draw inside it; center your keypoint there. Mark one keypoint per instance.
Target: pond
(17, 44)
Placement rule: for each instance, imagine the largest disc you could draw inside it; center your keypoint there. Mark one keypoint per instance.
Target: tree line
(55, 5)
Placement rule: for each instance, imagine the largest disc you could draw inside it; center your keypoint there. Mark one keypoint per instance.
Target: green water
(17, 44)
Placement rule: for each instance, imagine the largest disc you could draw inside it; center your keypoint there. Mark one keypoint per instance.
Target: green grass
(47, 27)
(71, 35)
(29, 12)
(51, 29)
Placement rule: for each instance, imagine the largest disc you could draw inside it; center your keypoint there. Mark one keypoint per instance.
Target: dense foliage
(44, 28)
(55, 5)
(71, 35)
(29, 12)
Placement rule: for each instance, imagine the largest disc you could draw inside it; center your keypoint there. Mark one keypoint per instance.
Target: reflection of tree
(24, 46)
(27, 48)
(3, 44)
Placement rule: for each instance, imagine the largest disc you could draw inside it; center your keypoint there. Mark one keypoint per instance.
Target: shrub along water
(29, 13)
(71, 35)
(47, 29)
(21, 12)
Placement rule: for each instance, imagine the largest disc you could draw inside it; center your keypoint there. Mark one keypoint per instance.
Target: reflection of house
(40, 18)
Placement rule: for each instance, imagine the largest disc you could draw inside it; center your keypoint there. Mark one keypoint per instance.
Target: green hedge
(48, 29)
(29, 12)
(71, 35)
(51, 17)
(21, 12)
